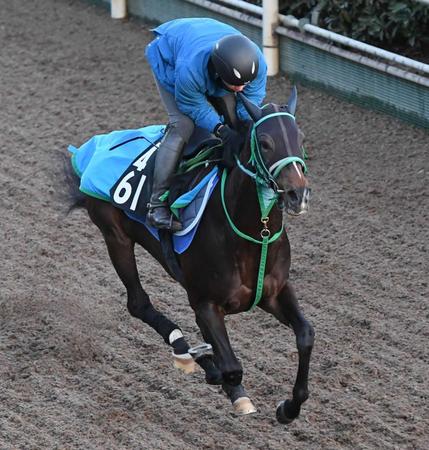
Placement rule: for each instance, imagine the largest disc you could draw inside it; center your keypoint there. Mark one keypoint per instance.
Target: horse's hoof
(184, 362)
(244, 406)
(281, 413)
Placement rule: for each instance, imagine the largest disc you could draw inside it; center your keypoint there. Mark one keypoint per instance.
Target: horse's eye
(266, 143)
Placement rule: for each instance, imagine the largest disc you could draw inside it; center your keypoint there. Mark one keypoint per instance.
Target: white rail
(290, 21)
(352, 56)
(245, 5)
(229, 12)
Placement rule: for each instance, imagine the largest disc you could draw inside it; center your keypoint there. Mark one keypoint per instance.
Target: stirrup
(165, 221)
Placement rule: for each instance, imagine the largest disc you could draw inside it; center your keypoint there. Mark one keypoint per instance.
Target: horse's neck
(242, 197)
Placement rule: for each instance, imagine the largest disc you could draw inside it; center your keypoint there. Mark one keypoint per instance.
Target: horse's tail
(75, 198)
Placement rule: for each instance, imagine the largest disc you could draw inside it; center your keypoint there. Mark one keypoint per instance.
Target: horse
(241, 253)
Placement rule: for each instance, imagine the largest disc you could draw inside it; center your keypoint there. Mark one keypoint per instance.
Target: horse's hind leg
(285, 309)
(121, 252)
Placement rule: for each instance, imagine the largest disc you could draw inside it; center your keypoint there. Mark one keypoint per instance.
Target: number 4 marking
(124, 189)
(140, 163)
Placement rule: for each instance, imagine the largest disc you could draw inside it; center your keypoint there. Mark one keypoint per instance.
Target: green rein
(267, 197)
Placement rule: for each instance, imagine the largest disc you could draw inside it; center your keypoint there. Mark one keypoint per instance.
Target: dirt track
(76, 371)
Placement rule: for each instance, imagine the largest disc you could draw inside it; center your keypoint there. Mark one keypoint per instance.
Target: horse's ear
(293, 99)
(255, 112)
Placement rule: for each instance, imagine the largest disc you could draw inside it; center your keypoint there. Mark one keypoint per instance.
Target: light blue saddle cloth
(104, 159)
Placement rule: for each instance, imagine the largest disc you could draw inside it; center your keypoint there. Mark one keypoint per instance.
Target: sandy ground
(77, 371)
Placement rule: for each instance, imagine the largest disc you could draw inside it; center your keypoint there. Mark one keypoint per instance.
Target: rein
(268, 193)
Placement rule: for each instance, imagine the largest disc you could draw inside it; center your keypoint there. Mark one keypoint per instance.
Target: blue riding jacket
(179, 57)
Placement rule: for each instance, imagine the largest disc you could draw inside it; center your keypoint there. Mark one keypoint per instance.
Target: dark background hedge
(402, 25)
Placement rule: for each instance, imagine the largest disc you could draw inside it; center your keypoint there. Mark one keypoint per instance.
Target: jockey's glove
(232, 142)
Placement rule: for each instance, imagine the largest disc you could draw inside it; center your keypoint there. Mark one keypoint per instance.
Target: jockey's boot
(159, 214)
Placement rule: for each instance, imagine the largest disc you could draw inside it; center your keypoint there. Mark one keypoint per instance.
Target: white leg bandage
(174, 335)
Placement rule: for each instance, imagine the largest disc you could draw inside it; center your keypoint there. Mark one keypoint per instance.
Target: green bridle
(268, 193)
(263, 174)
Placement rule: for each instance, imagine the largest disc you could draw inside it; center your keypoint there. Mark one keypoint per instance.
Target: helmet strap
(212, 71)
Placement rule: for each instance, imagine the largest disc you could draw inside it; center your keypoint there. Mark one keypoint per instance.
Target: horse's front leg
(285, 308)
(210, 319)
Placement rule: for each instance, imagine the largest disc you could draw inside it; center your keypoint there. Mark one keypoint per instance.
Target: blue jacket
(179, 57)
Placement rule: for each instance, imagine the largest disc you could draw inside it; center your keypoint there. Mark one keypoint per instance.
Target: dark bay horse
(240, 256)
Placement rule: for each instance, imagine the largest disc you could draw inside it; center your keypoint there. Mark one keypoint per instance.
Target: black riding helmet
(235, 59)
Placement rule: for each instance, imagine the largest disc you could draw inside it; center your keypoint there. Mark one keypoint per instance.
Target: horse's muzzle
(297, 200)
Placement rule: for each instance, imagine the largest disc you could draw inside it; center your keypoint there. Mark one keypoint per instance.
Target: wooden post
(118, 9)
(270, 41)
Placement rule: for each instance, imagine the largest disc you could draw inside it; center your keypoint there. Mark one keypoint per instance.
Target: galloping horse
(239, 258)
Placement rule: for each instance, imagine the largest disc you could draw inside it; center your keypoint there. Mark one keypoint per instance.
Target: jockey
(192, 59)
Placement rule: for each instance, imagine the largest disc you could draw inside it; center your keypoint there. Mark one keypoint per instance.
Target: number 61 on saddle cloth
(118, 168)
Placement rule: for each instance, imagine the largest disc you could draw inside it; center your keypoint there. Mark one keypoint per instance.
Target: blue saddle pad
(117, 167)
(192, 206)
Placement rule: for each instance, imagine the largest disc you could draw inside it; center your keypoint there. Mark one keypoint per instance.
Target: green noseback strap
(276, 168)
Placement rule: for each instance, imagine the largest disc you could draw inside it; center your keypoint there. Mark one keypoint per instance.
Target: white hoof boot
(184, 362)
(244, 406)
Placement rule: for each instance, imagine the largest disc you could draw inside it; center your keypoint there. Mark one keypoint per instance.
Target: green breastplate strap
(266, 237)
